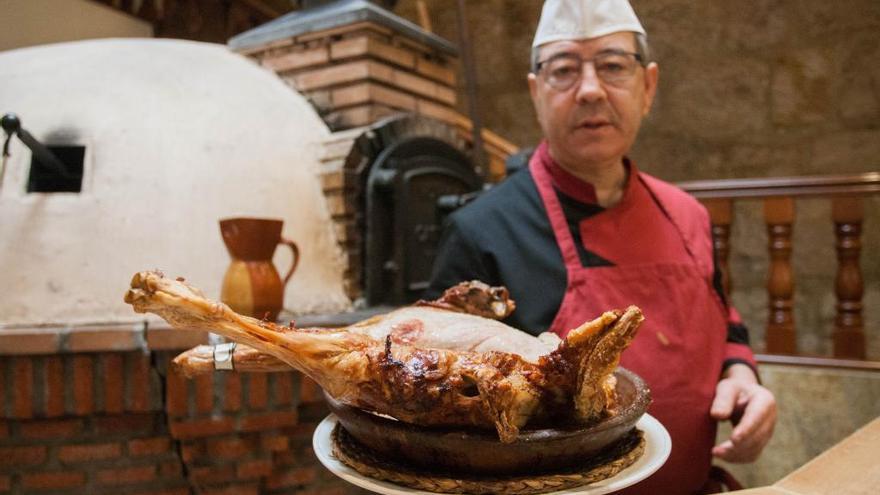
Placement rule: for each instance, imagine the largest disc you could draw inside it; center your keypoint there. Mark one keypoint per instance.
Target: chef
(583, 230)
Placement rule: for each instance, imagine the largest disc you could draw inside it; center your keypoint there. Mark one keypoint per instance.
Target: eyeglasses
(612, 67)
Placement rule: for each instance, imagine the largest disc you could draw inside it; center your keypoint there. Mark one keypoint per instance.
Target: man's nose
(589, 87)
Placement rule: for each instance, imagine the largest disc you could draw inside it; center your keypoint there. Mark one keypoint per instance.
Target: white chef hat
(584, 19)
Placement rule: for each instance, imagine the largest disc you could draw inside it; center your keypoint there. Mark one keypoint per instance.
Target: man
(582, 230)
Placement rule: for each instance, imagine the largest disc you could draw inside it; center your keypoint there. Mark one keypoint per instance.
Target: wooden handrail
(819, 362)
(846, 193)
(817, 185)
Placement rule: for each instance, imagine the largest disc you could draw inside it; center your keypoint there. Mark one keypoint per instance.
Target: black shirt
(504, 238)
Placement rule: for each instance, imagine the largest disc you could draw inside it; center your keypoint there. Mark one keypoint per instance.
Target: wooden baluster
(721, 214)
(779, 216)
(849, 337)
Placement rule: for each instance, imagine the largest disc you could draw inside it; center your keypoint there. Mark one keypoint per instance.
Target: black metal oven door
(408, 185)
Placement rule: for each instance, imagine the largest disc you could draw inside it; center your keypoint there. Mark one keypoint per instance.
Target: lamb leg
(421, 386)
(414, 325)
(202, 359)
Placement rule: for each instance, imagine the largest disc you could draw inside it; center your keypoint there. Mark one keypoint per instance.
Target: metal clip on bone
(223, 356)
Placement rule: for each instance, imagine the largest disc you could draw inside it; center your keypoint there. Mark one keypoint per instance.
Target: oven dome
(177, 135)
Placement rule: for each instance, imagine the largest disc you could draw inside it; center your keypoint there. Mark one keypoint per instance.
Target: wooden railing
(846, 193)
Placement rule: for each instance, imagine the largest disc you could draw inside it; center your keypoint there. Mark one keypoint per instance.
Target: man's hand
(752, 410)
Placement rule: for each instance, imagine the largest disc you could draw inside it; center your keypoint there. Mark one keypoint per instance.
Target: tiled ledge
(96, 338)
(142, 335)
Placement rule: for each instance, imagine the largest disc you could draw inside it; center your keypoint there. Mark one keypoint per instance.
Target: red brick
(204, 393)
(139, 383)
(258, 394)
(56, 428)
(22, 456)
(113, 374)
(232, 392)
(170, 339)
(126, 476)
(54, 386)
(88, 452)
(192, 450)
(238, 489)
(91, 339)
(149, 446)
(283, 393)
(201, 428)
(335, 488)
(256, 422)
(287, 458)
(30, 341)
(292, 477)
(274, 442)
(254, 469)
(435, 71)
(440, 112)
(212, 474)
(352, 29)
(124, 423)
(229, 448)
(23, 385)
(309, 391)
(176, 394)
(83, 385)
(56, 479)
(302, 431)
(296, 60)
(183, 490)
(338, 74)
(5, 483)
(170, 469)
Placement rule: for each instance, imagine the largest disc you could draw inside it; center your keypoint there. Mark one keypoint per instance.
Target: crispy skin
(476, 298)
(425, 386)
(462, 319)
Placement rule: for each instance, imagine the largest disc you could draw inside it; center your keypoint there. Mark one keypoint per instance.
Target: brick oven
(401, 155)
(95, 407)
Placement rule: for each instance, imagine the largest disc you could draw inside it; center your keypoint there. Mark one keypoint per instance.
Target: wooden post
(779, 216)
(721, 214)
(849, 337)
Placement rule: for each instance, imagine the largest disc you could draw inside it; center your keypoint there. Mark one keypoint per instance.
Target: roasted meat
(422, 384)
(462, 319)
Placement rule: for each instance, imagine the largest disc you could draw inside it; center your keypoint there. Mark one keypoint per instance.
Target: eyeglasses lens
(563, 72)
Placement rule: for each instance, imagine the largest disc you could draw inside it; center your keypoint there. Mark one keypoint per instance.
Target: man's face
(592, 124)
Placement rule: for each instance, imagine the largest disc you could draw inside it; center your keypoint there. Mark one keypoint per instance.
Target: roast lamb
(462, 319)
(434, 363)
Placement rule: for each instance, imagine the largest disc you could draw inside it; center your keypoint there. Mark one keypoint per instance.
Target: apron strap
(554, 209)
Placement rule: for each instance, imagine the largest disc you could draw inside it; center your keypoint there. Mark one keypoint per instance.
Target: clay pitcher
(252, 285)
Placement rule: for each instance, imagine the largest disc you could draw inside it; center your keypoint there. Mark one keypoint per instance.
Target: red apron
(679, 348)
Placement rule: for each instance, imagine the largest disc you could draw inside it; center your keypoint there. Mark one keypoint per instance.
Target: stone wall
(753, 88)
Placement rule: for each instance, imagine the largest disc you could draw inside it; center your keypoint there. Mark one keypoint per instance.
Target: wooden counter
(849, 468)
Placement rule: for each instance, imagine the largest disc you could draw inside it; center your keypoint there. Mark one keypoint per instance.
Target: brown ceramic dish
(478, 452)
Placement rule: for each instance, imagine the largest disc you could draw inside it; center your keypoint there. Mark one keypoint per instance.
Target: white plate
(657, 448)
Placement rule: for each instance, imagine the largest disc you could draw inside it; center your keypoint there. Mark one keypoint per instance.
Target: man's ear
(652, 76)
(533, 84)
(533, 91)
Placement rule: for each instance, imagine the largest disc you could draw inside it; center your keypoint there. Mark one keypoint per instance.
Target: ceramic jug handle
(295, 249)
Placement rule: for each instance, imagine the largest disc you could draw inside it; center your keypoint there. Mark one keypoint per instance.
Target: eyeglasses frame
(539, 65)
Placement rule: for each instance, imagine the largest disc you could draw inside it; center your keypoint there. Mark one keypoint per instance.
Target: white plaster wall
(178, 134)
(36, 22)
